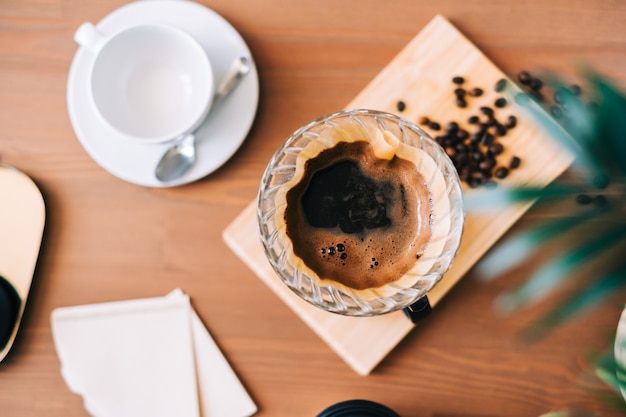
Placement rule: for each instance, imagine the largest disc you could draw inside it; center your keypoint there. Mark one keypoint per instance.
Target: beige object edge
(22, 218)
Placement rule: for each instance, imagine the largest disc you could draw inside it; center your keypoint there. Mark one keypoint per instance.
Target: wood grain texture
(108, 240)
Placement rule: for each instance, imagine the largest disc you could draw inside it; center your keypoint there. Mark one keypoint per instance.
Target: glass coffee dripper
(281, 169)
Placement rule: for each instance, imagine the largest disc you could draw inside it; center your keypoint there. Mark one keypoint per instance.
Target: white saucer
(225, 128)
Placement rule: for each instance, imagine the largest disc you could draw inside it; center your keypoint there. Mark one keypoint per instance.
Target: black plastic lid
(358, 408)
(10, 304)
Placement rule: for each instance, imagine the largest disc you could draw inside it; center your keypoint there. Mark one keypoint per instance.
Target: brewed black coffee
(358, 219)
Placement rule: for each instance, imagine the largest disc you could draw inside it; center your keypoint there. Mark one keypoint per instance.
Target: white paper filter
(149, 357)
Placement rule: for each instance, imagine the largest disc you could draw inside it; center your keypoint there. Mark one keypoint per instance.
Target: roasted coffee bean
(487, 164)
(487, 111)
(487, 139)
(477, 156)
(556, 111)
(524, 77)
(424, 120)
(500, 85)
(535, 83)
(474, 154)
(452, 127)
(476, 92)
(510, 122)
(501, 172)
(434, 125)
(515, 162)
(499, 129)
(461, 159)
(481, 177)
(449, 141)
(559, 95)
(496, 149)
(462, 134)
(584, 199)
(401, 106)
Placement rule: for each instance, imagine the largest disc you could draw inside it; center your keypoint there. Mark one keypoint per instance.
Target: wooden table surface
(108, 240)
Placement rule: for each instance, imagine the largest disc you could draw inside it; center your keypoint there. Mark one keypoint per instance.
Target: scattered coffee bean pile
(534, 84)
(534, 87)
(475, 146)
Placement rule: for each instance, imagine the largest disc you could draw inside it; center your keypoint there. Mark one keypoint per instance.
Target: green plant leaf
(495, 199)
(559, 134)
(594, 134)
(553, 273)
(588, 297)
(606, 371)
(610, 127)
(521, 246)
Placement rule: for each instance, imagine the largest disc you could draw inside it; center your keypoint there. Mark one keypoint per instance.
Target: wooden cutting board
(22, 217)
(420, 75)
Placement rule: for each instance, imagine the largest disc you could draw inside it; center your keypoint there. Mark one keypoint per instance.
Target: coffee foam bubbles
(386, 145)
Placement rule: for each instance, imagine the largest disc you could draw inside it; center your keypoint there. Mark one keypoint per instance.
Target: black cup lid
(358, 408)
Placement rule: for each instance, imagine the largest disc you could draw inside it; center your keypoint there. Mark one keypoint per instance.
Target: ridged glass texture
(281, 169)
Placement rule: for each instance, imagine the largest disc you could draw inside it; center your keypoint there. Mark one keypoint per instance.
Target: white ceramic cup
(150, 83)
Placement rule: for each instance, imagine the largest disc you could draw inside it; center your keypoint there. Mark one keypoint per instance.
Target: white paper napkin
(149, 357)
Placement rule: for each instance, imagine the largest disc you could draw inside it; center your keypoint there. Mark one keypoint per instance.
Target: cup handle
(88, 36)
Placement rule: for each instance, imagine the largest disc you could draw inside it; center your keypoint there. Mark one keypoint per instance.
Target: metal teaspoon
(181, 156)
